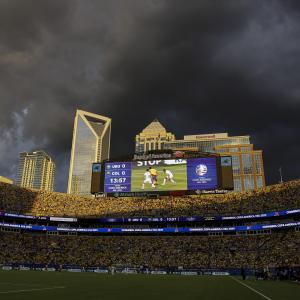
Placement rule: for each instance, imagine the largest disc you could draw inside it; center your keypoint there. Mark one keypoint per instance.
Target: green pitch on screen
(179, 172)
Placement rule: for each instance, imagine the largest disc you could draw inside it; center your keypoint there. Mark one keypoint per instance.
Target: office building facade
(248, 167)
(36, 170)
(152, 137)
(90, 144)
(207, 142)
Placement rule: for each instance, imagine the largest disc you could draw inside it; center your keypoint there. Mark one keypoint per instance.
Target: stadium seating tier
(272, 250)
(24, 201)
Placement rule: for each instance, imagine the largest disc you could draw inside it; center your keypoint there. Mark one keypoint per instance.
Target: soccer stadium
(149, 150)
(190, 246)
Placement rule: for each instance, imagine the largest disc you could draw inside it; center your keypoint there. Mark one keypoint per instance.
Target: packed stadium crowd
(269, 250)
(273, 250)
(277, 197)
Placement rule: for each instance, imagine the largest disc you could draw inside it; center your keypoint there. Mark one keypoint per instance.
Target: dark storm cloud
(22, 22)
(200, 67)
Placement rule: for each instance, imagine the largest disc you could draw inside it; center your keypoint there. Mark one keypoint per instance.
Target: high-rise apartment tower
(36, 170)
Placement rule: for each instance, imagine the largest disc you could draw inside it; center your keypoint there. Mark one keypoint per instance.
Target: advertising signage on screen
(161, 175)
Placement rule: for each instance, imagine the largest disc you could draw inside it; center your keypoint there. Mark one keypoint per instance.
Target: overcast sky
(198, 66)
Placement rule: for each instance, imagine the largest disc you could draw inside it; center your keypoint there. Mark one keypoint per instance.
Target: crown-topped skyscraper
(152, 137)
(91, 143)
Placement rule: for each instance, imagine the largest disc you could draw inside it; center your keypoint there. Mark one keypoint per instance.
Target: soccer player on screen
(147, 178)
(168, 177)
(153, 173)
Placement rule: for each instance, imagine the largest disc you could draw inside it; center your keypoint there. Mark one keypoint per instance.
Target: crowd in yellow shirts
(276, 249)
(253, 251)
(272, 198)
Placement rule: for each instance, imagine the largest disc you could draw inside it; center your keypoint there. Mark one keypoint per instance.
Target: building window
(259, 182)
(247, 164)
(246, 148)
(257, 162)
(233, 149)
(249, 182)
(237, 183)
(236, 165)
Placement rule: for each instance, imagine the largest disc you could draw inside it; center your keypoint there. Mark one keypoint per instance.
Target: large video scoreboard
(161, 175)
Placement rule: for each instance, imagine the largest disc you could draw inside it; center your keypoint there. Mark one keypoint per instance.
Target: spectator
(276, 250)
(277, 197)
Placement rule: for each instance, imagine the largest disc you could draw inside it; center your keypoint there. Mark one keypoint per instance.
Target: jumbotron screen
(161, 175)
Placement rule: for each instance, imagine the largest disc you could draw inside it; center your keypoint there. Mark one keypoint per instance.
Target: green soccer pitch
(179, 172)
(31, 285)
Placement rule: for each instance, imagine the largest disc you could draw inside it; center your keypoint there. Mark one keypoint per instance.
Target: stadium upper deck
(276, 197)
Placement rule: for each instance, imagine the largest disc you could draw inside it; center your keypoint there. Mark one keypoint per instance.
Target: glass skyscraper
(91, 143)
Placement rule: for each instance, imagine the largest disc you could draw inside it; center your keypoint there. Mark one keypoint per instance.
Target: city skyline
(103, 133)
(198, 68)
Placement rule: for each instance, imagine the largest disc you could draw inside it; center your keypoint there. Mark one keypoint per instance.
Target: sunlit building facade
(90, 144)
(36, 170)
(248, 167)
(207, 142)
(152, 137)
(6, 180)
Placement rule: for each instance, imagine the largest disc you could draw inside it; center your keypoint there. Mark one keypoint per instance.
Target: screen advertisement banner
(161, 175)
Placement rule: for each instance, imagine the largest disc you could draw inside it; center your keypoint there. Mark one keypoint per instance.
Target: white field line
(250, 288)
(32, 290)
(19, 284)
